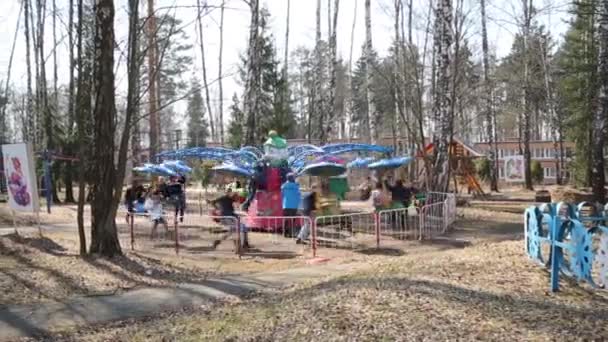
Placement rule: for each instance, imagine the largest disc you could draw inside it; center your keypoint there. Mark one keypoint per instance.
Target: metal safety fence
(291, 236)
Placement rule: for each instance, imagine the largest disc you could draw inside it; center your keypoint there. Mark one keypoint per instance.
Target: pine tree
(576, 72)
(236, 132)
(197, 125)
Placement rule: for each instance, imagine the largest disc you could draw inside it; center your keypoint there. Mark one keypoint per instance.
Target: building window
(501, 173)
(549, 172)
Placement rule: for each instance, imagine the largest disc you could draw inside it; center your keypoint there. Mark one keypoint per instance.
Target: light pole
(178, 136)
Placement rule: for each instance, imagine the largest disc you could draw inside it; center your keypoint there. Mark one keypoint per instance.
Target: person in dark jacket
(175, 193)
(399, 193)
(225, 204)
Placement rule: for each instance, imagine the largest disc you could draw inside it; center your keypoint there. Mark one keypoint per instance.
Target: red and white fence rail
(355, 231)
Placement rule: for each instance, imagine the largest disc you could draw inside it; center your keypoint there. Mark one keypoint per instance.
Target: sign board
(20, 174)
(514, 168)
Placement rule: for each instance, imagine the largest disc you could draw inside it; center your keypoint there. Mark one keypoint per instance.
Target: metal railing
(279, 234)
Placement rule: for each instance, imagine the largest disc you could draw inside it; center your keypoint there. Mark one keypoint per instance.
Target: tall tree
(197, 127)
(489, 121)
(30, 130)
(349, 111)
(236, 125)
(528, 12)
(220, 75)
(600, 116)
(442, 105)
(153, 111)
(5, 93)
(333, 108)
(69, 143)
(199, 20)
(252, 80)
(369, 94)
(83, 111)
(104, 235)
(576, 75)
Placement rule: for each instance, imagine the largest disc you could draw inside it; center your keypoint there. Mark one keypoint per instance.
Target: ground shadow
(42, 244)
(381, 251)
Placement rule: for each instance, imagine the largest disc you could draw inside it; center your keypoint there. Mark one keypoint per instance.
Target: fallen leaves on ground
(486, 292)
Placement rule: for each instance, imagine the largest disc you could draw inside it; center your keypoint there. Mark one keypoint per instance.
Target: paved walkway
(18, 321)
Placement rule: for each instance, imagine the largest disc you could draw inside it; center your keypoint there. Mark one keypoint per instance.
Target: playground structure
(462, 166)
(569, 240)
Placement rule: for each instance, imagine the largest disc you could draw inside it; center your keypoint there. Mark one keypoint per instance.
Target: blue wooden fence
(570, 241)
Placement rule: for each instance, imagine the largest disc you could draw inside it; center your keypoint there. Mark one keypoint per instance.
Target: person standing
(290, 193)
(308, 208)
(154, 207)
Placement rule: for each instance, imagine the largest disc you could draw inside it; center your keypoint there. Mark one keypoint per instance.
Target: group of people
(140, 199)
(387, 194)
(291, 198)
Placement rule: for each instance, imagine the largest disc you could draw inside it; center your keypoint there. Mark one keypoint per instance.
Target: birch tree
(601, 112)
(528, 8)
(220, 74)
(154, 120)
(443, 96)
(489, 117)
(199, 21)
(333, 108)
(369, 93)
(30, 130)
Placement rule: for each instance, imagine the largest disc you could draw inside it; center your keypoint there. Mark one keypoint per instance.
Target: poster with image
(514, 168)
(20, 175)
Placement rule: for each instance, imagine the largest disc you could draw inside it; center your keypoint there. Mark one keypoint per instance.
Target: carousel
(265, 169)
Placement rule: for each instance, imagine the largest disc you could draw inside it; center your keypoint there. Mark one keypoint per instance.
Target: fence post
(377, 228)
(175, 225)
(238, 236)
(554, 256)
(132, 217)
(421, 219)
(313, 226)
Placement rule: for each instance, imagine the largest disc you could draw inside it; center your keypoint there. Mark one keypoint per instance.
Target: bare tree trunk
(220, 76)
(83, 99)
(55, 92)
(252, 86)
(199, 21)
(132, 99)
(152, 91)
(28, 60)
(488, 100)
(443, 96)
(351, 100)
(3, 121)
(286, 58)
(526, 94)
(601, 112)
(318, 76)
(331, 122)
(369, 60)
(104, 235)
(69, 146)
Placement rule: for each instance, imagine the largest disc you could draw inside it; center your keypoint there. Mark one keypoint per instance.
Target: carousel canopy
(391, 163)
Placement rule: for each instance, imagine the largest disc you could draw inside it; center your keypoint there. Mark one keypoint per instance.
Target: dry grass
(487, 292)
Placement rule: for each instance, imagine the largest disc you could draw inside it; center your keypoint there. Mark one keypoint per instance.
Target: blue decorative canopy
(360, 163)
(391, 163)
(326, 169)
(348, 148)
(232, 169)
(153, 169)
